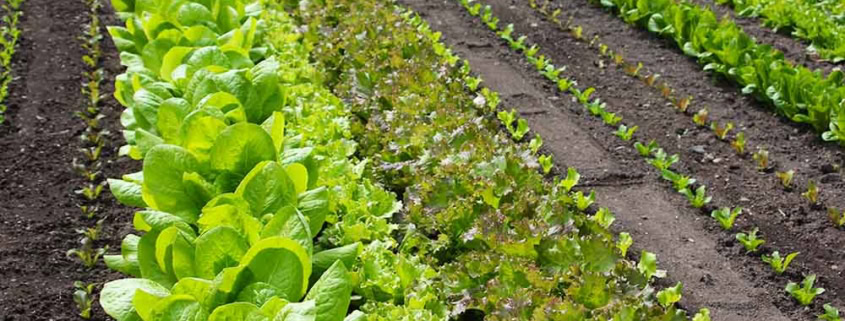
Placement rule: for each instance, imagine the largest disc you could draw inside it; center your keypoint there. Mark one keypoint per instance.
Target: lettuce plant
(648, 266)
(679, 181)
(87, 254)
(702, 315)
(546, 163)
(698, 198)
(812, 193)
(738, 143)
(507, 119)
(750, 240)
(761, 156)
(663, 161)
(683, 103)
(604, 217)
(571, 179)
(624, 242)
(520, 130)
(830, 313)
(779, 264)
(721, 131)
(583, 202)
(646, 150)
(805, 293)
(701, 117)
(669, 296)
(626, 133)
(837, 217)
(610, 118)
(726, 216)
(83, 297)
(786, 178)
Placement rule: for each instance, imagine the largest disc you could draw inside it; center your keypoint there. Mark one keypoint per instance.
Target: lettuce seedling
(830, 313)
(519, 44)
(646, 150)
(87, 254)
(545, 162)
(626, 133)
(651, 79)
(700, 118)
(805, 293)
(83, 296)
(610, 118)
(699, 198)
(812, 193)
(761, 156)
(540, 63)
(721, 132)
(662, 161)
(778, 263)
(750, 240)
(582, 96)
(92, 233)
(683, 103)
(679, 181)
(604, 217)
(583, 202)
(577, 32)
(625, 241)
(618, 59)
(669, 296)
(648, 266)
(702, 315)
(632, 70)
(603, 49)
(665, 90)
(487, 14)
(91, 192)
(739, 143)
(506, 33)
(571, 179)
(551, 73)
(492, 98)
(521, 129)
(596, 107)
(837, 217)
(507, 119)
(472, 83)
(726, 216)
(786, 178)
(564, 84)
(535, 143)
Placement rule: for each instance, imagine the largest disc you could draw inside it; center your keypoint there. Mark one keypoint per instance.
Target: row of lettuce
(723, 48)
(805, 19)
(266, 131)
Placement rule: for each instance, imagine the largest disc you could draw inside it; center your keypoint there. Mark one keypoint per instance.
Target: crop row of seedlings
(93, 140)
(246, 158)
(509, 244)
(740, 143)
(654, 155)
(9, 35)
(723, 48)
(804, 19)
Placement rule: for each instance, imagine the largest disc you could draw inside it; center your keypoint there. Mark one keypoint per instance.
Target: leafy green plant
(683, 104)
(583, 202)
(633, 70)
(521, 129)
(604, 217)
(805, 293)
(701, 117)
(625, 241)
(83, 296)
(646, 150)
(583, 96)
(837, 217)
(92, 233)
(778, 263)
(648, 266)
(738, 143)
(572, 178)
(786, 178)
(546, 163)
(663, 161)
(830, 313)
(702, 315)
(726, 216)
(91, 191)
(721, 131)
(507, 119)
(679, 181)
(669, 296)
(610, 118)
(698, 198)
(625, 133)
(535, 143)
(761, 156)
(750, 240)
(812, 193)
(86, 253)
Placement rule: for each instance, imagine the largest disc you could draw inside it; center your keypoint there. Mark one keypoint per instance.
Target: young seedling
(577, 32)
(596, 107)
(812, 193)
(610, 118)
(545, 162)
(700, 117)
(680, 182)
(721, 132)
(739, 143)
(665, 90)
(651, 79)
(618, 59)
(507, 119)
(521, 129)
(662, 161)
(726, 216)
(646, 150)
(683, 103)
(786, 178)
(583, 202)
(473, 83)
(626, 133)
(603, 50)
(779, 264)
(699, 198)
(582, 96)
(830, 313)
(83, 296)
(532, 51)
(837, 217)
(669, 296)
(604, 217)
(535, 143)
(632, 70)
(571, 179)
(92, 233)
(805, 293)
(91, 192)
(564, 84)
(750, 240)
(87, 254)
(625, 241)
(761, 156)
(702, 315)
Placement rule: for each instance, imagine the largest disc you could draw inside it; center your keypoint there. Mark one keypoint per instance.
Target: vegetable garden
(337, 160)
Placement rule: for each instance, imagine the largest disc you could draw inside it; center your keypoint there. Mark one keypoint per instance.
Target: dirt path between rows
(38, 213)
(715, 270)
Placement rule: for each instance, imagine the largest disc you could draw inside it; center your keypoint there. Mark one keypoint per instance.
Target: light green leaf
(219, 248)
(116, 297)
(240, 147)
(267, 188)
(282, 263)
(332, 293)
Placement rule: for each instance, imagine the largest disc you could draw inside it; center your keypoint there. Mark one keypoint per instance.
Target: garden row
(261, 179)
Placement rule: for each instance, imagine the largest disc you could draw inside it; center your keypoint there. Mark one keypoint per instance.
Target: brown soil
(714, 268)
(38, 213)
